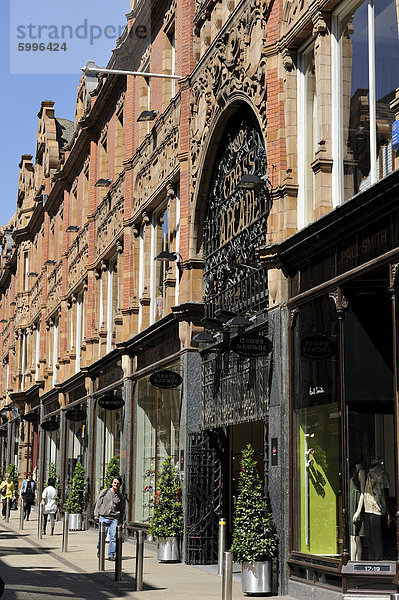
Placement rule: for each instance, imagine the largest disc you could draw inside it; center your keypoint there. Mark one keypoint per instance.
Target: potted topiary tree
(254, 537)
(75, 503)
(111, 471)
(167, 520)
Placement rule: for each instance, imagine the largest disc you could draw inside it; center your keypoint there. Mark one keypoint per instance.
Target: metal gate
(206, 471)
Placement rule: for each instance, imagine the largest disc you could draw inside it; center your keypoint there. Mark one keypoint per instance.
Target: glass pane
(317, 430)
(370, 415)
(386, 79)
(144, 472)
(355, 99)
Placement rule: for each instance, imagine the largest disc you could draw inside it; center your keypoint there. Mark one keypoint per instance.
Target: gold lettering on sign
(238, 217)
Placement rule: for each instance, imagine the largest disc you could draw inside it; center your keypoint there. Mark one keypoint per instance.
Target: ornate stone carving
(288, 63)
(236, 64)
(109, 218)
(319, 24)
(77, 257)
(54, 284)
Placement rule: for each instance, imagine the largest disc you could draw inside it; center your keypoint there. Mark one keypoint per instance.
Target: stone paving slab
(36, 569)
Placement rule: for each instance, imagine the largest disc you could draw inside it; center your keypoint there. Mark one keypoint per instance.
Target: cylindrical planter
(168, 549)
(75, 522)
(256, 578)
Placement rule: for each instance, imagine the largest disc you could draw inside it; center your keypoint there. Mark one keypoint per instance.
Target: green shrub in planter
(254, 536)
(75, 503)
(167, 520)
(112, 470)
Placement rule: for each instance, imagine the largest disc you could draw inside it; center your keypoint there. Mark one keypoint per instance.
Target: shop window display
(157, 422)
(108, 442)
(368, 378)
(317, 430)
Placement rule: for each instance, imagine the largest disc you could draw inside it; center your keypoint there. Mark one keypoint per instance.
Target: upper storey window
(365, 61)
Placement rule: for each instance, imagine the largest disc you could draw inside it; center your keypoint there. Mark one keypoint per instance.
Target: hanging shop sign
(166, 379)
(50, 425)
(251, 345)
(318, 347)
(111, 401)
(31, 417)
(76, 414)
(3, 433)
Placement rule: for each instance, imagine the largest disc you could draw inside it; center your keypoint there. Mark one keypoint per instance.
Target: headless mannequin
(356, 543)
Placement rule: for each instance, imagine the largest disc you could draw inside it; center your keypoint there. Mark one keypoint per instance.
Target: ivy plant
(254, 536)
(167, 520)
(76, 500)
(111, 471)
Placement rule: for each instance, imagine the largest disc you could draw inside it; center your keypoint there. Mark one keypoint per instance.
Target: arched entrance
(233, 205)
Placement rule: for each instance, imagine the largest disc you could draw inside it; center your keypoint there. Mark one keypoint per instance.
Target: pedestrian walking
(7, 490)
(49, 501)
(28, 493)
(110, 509)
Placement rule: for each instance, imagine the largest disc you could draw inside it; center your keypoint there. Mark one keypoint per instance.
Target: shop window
(365, 51)
(308, 133)
(75, 446)
(108, 442)
(156, 435)
(318, 496)
(369, 397)
(52, 450)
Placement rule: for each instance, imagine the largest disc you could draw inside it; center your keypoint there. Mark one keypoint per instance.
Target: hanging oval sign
(76, 415)
(251, 345)
(318, 347)
(111, 402)
(32, 417)
(166, 379)
(3, 432)
(50, 425)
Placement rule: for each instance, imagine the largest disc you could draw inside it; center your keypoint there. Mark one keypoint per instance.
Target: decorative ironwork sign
(111, 401)
(235, 389)
(166, 379)
(75, 415)
(50, 425)
(32, 417)
(236, 223)
(251, 344)
(318, 347)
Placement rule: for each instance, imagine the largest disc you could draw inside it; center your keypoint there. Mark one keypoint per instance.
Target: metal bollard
(118, 553)
(227, 576)
(8, 509)
(139, 560)
(40, 521)
(21, 514)
(101, 547)
(65, 532)
(222, 543)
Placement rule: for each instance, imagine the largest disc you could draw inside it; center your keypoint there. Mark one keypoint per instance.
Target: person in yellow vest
(7, 490)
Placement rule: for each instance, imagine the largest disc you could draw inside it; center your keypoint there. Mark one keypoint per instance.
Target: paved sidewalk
(36, 569)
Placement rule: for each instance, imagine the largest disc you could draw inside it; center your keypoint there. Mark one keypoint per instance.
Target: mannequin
(376, 490)
(356, 501)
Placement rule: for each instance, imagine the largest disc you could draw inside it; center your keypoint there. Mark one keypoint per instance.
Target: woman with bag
(49, 501)
(7, 490)
(28, 493)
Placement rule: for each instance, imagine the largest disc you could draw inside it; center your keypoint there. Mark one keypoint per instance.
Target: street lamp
(91, 67)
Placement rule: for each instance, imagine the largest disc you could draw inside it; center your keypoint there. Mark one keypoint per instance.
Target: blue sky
(22, 93)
